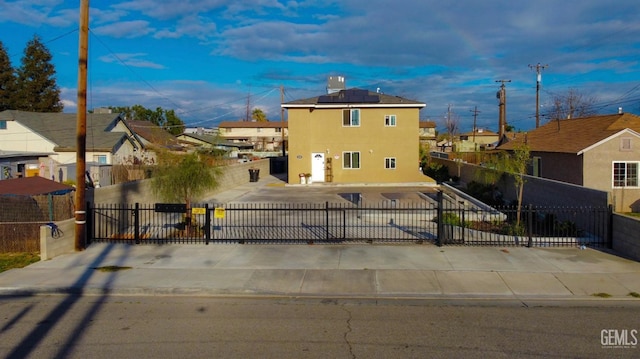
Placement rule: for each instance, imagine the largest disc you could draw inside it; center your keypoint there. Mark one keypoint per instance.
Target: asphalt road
(199, 327)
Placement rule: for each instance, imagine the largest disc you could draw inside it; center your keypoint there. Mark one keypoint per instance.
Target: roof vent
(620, 110)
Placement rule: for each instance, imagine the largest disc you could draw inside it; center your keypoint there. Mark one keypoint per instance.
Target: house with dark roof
(56, 133)
(354, 136)
(600, 152)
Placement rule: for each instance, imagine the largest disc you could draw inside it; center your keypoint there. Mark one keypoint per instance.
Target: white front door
(317, 167)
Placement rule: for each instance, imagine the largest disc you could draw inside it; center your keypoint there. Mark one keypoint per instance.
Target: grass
(17, 260)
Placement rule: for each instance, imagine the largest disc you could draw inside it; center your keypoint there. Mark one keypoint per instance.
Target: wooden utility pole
(282, 118)
(538, 68)
(475, 115)
(502, 114)
(81, 128)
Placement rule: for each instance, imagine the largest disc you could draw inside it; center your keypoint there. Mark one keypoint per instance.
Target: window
(390, 163)
(351, 117)
(101, 159)
(350, 159)
(278, 129)
(390, 120)
(259, 129)
(625, 144)
(3, 124)
(625, 174)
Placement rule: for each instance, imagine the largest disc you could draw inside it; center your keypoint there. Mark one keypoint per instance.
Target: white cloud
(125, 29)
(132, 60)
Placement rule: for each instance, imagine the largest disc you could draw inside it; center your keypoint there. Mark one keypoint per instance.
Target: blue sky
(204, 58)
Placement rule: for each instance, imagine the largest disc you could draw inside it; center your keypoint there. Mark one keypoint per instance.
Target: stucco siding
(322, 131)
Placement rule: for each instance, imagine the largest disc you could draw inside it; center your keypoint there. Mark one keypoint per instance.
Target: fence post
(610, 227)
(326, 213)
(136, 223)
(439, 217)
(207, 223)
(530, 225)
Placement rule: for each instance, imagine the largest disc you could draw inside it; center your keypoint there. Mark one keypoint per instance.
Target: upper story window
(625, 144)
(390, 120)
(350, 159)
(351, 117)
(625, 174)
(3, 124)
(259, 129)
(227, 130)
(278, 129)
(390, 163)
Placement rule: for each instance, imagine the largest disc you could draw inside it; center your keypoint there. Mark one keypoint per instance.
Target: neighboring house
(213, 142)
(264, 136)
(427, 134)
(477, 140)
(56, 134)
(599, 152)
(354, 136)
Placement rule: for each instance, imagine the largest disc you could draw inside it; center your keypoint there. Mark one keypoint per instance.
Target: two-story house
(600, 152)
(354, 136)
(263, 135)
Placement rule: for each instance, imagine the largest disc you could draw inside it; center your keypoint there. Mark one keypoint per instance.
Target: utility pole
(246, 118)
(282, 118)
(538, 68)
(502, 102)
(475, 115)
(81, 128)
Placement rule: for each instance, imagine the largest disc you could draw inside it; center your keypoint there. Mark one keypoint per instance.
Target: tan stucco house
(600, 152)
(354, 136)
(263, 136)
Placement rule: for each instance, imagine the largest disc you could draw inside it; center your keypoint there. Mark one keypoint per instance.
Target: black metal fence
(388, 222)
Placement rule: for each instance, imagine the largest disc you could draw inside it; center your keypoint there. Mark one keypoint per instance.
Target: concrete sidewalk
(351, 271)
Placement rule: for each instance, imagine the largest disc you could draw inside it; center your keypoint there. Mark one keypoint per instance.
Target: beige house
(427, 131)
(354, 136)
(264, 136)
(599, 152)
(55, 133)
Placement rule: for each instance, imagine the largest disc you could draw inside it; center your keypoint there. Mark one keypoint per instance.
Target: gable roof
(60, 128)
(354, 96)
(31, 186)
(427, 124)
(574, 135)
(153, 134)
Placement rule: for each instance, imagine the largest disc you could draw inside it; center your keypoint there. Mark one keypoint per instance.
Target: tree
(514, 164)
(7, 79)
(167, 119)
(184, 177)
(258, 115)
(36, 88)
(574, 104)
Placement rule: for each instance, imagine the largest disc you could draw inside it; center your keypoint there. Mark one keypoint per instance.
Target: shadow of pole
(30, 342)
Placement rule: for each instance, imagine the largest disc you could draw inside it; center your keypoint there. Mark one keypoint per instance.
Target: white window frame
(101, 159)
(390, 163)
(390, 120)
(348, 118)
(626, 175)
(349, 155)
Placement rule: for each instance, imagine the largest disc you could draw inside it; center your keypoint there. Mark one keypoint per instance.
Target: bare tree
(573, 104)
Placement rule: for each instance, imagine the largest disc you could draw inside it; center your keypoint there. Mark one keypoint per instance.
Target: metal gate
(387, 222)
